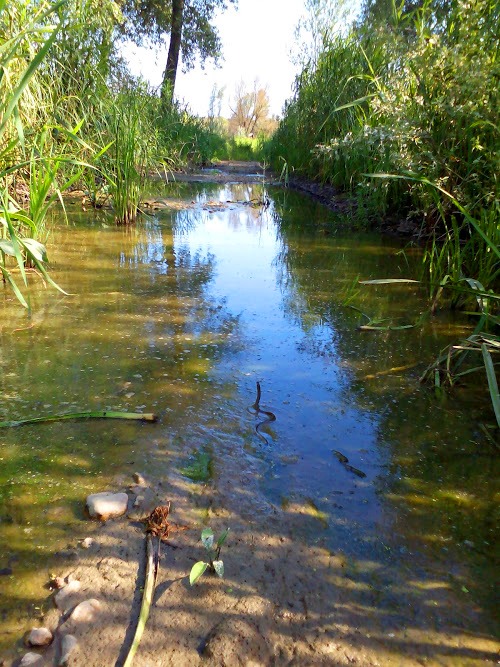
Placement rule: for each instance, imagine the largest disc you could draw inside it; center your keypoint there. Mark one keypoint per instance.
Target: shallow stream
(181, 315)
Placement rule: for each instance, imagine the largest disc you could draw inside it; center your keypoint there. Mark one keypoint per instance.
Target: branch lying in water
(98, 414)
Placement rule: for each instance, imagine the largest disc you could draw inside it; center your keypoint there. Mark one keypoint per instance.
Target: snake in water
(345, 462)
(257, 410)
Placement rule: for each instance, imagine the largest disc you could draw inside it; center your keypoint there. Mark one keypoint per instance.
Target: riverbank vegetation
(72, 116)
(401, 113)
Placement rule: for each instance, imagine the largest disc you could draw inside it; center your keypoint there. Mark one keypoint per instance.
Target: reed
(132, 148)
(18, 230)
(390, 113)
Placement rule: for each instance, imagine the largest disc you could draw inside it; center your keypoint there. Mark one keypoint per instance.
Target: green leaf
(492, 381)
(196, 571)
(207, 538)
(36, 249)
(218, 566)
(7, 248)
(223, 538)
(15, 243)
(14, 287)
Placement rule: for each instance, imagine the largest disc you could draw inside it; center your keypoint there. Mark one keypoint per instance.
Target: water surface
(182, 315)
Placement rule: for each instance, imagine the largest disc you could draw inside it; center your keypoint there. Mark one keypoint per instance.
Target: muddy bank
(282, 601)
(227, 172)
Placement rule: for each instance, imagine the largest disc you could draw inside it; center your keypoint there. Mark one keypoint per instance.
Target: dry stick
(99, 414)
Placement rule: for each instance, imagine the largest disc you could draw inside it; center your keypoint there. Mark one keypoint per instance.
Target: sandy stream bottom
(281, 602)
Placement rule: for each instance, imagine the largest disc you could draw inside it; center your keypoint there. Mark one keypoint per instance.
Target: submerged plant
(213, 561)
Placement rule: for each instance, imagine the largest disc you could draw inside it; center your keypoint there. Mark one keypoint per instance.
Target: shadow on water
(182, 315)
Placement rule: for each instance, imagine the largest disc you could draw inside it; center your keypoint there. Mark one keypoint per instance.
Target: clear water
(181, 315)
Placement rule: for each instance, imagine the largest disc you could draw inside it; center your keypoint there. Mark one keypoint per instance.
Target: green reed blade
(97, 414)
(492, 381)
(147, 599)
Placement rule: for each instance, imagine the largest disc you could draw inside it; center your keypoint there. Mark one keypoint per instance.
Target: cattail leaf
(492, 381)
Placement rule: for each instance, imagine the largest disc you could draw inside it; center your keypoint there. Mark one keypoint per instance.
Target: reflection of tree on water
(441, 474)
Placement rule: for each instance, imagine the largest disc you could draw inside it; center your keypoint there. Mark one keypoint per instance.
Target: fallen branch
(99, 414)
(157, 525)
(152, 561)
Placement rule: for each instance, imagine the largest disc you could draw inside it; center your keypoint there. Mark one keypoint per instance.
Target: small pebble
(139, 479)
(68, 644)
(31, 660)
(87, 543)
(58, 582)
(39, 637)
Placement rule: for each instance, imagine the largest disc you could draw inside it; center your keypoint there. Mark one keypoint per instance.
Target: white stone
(68, 644)
(39, 637)
(65, 598)
(31, 660)
(107, 505)
(86, 611)
(87, 543)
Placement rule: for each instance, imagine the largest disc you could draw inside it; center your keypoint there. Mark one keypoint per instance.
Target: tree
(189, 25)
(250, 110)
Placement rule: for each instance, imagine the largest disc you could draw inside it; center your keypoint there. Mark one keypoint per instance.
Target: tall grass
(19, 247)
(125, 164)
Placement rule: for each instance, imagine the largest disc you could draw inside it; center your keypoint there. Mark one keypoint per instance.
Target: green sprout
(212, 561)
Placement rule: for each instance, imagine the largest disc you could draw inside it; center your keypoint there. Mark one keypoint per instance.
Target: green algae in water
(200, 467)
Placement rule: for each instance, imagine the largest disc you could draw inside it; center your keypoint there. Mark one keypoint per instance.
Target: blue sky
(257, 39)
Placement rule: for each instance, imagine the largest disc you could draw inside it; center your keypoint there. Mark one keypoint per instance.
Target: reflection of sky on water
(307, 390)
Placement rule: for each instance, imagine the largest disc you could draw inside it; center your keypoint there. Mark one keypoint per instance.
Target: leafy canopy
(149, 21)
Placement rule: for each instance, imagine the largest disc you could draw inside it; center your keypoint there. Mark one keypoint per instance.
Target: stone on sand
(68, 645)
(31, 660)
(107, 505)
(65, 598)
(39, 637)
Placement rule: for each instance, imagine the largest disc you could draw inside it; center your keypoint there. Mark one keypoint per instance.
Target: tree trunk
(170, 73)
